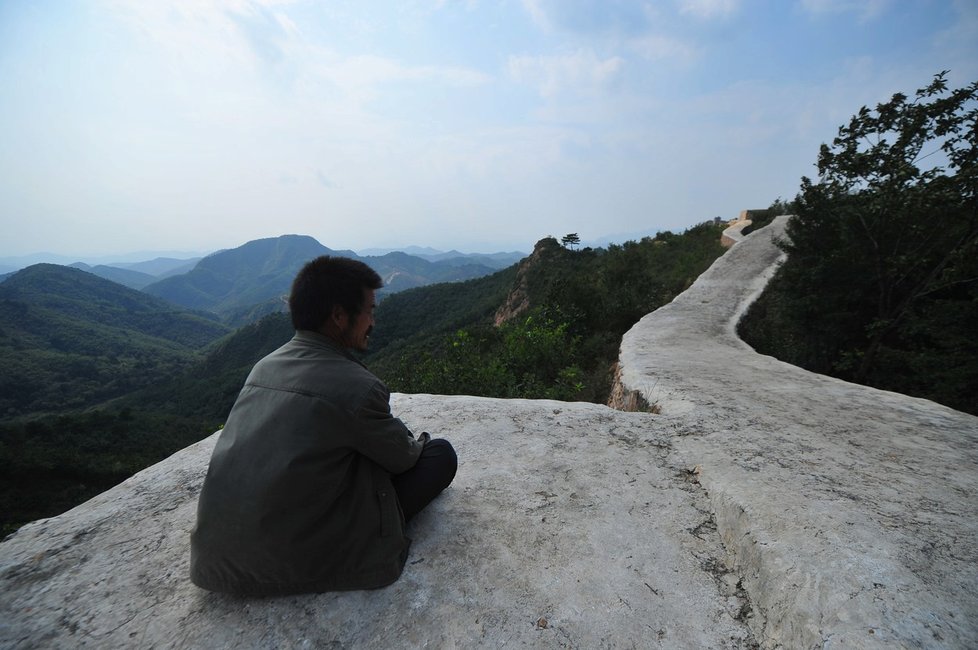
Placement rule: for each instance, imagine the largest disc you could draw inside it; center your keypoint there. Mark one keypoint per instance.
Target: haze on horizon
(479, 126)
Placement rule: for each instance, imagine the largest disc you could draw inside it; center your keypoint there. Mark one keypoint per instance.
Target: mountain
(417, 251)
(50, 463)
(69, 338)
(401, 271)
(452, 257)
(134, 275)
(247, 282)
(125, 277)
(18, 262)
(160, 267)
(253, 273)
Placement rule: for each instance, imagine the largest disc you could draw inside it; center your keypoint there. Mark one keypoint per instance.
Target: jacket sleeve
(383, 438)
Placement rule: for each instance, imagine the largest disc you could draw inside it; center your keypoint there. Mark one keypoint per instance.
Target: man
(312, 479)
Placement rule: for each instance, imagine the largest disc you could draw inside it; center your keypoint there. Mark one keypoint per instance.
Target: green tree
(570, 239)
(883, 248)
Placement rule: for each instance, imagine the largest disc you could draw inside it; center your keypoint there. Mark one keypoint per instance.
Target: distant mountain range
(72, 336)
(242, 284)
(496, 260)
(162, 264)
(130, 276)
(9, 264)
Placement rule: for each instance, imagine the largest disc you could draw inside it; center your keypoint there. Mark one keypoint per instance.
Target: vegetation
(100, 381)
(570, 240)
(52, 463)
(560, 341)
(70, 340)
(881, 281)
(534, 356)
(435, 310)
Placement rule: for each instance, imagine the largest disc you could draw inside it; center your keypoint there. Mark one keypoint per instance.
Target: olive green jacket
(298, 496)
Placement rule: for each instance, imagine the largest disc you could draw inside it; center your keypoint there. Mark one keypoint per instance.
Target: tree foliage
(51, 460)
(533, 356)
(579, 304)
(881, 281)
(570, 240)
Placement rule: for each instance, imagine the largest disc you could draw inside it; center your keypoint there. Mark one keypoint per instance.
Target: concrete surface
(765, 506)
(850, 513)
(567, 526)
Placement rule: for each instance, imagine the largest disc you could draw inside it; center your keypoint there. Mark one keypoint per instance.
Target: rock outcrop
(763, 506)
(518, 300)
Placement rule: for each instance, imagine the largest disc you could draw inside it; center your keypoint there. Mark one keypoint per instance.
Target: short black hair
(327, 281)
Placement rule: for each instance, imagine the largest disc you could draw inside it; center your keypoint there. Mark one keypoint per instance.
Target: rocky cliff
(763, 506)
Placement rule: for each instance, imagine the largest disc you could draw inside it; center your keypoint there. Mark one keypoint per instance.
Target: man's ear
(339, 317)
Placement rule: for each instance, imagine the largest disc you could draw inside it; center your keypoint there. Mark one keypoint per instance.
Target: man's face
(357, 332)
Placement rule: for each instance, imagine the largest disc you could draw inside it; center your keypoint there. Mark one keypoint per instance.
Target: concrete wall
(850, 513)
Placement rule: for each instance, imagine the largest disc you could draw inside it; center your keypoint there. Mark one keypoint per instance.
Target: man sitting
(312, 479)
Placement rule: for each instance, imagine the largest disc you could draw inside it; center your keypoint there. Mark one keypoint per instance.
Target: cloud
(581, 72)
(325, 180)
(957, 43)
(657, 48)
(264, 30)
(211, 36)
(246, 57)
(865, 9)
(591, 17)
(708, 9)
(370, 70)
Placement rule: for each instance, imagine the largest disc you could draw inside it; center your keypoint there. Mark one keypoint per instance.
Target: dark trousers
(433, 472)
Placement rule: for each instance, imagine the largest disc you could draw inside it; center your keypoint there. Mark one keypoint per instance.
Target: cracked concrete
(765, 507)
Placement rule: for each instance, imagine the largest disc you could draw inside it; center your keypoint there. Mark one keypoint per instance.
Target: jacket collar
(316, 339)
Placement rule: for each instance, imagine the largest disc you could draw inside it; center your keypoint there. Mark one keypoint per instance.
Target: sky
(197, 125)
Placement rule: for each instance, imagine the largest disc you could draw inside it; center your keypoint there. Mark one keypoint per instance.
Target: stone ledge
(850, 513)
(568, 525)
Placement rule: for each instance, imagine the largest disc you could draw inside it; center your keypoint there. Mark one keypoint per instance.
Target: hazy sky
(202, 124)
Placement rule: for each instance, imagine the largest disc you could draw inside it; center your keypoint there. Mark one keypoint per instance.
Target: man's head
(335, 296)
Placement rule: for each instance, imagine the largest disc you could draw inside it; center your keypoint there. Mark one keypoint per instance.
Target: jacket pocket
(390, 512)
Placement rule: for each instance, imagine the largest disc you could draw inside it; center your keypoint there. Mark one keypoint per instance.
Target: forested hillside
(69, 339)
(560, 319)
(71, 346)
(57, 458)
